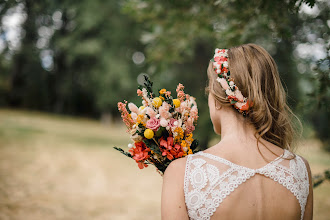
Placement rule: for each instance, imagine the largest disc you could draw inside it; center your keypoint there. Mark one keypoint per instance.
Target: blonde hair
(256, 75)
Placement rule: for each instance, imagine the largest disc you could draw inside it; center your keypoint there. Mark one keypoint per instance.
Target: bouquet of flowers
(161, 128)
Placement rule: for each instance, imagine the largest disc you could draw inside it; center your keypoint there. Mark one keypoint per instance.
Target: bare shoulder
(176, 169)
(173, 201)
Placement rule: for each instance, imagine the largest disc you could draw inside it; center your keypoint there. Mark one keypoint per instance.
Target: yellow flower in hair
(176, 103)
(190, 151)
(148, 133)
(157, 102)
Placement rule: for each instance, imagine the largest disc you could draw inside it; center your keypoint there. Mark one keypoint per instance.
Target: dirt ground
(54, 167)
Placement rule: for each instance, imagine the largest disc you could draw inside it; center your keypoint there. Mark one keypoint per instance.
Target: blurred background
(64, 65)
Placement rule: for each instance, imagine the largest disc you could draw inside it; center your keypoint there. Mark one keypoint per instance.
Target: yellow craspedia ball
(157, 102)
(176, 103)
(142, 107)
(148, 133)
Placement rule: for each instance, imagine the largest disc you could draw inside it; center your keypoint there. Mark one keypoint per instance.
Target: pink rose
(153, 124)
(172, 123)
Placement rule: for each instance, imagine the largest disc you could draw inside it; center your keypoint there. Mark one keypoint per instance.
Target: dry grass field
(56, 167)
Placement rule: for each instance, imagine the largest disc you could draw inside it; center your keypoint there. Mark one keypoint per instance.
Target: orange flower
(162, 91)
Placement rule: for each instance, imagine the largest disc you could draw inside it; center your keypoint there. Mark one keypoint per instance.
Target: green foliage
(90, 45)
(123, 152)
(180, 38)
(173, 29)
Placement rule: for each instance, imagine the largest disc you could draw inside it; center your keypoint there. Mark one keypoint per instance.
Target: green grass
(29, 125)
(60, 167)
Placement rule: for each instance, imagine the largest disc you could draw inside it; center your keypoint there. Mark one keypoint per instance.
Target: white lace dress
(209, 179)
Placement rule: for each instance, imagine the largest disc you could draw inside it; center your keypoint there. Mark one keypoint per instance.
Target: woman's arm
(173, 203)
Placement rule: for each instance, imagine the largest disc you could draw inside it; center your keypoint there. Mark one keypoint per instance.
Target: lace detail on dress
(206, 186)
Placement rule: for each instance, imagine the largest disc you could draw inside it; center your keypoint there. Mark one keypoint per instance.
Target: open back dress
(211, 180)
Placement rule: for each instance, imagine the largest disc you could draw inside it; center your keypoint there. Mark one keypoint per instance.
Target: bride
(251, 173)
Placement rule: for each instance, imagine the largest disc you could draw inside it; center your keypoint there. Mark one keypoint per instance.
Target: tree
(181, 36)
(75, 57)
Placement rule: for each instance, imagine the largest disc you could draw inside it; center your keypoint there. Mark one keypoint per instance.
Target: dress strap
(186, 174)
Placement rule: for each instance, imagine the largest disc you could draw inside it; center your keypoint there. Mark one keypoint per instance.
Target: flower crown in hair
(234, 95)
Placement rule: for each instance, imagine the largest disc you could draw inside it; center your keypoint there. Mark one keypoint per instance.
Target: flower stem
(155, 141)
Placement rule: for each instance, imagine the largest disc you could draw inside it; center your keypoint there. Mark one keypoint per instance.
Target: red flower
(170, 151)
(140, 153)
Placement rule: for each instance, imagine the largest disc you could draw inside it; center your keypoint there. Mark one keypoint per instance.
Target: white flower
(134, 116)
(231, 83)
(136, 137)
(229, 92)
(158, 115)
(225, 64)
(185, 148)
(180, 122)
(130, 146)
(218, 71)
(142, 111)
(176, 123)
(163, 122)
